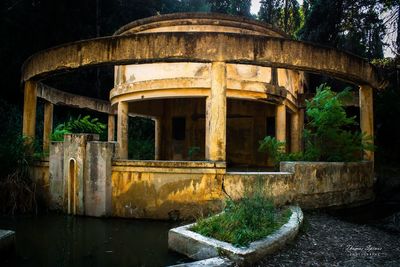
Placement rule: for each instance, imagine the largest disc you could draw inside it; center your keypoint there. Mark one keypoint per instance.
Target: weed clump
(244, 221)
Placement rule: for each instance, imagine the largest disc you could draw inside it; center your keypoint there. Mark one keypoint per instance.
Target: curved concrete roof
(193, 21)
(202, 47)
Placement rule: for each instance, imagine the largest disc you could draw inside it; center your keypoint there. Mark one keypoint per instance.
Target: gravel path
(328, 241)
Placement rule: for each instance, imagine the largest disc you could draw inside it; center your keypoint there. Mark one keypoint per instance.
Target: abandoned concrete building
(212, 81)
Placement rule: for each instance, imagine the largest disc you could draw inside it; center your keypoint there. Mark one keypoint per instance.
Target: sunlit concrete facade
(210, 81)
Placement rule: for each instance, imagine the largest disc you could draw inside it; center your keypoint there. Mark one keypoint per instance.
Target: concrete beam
(203, 47)
(58, 97)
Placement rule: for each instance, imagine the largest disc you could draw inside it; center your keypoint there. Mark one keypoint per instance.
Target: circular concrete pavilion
(212, 82)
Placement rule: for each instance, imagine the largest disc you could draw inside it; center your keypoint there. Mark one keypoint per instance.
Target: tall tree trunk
(286, 16)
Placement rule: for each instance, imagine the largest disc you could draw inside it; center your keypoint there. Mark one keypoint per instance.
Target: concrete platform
(7, 242)
(199, 247)
(215, 262)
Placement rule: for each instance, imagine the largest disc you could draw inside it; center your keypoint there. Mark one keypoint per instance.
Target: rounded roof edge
(199, 15)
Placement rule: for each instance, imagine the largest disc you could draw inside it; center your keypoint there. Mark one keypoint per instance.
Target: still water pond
(59, 240)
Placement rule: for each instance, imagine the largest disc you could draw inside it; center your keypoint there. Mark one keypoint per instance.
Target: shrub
(18, 191)
(78, 125)
(327, 135)
(244, 221)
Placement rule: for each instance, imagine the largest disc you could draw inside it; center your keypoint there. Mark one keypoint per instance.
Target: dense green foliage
(17, 190)
(285, 15)
(141, 139)
(328, 134)
(242, 222)
(78, 125)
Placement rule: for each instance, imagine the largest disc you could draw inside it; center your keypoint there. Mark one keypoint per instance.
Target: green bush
(18, 191)
(244, 221)
(327, 135)
(78, 125)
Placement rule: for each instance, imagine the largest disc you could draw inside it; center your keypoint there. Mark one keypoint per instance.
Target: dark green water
(59, 240)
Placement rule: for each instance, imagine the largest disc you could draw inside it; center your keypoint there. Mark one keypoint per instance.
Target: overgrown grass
(244, 221)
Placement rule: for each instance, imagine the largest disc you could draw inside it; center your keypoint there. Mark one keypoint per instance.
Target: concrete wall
(166, 190)
(56, 175)
(188, 189)
(80, 175)
(40, 173)
(98, 182)
(324, 184)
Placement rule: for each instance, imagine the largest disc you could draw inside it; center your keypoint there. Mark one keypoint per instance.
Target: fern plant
(78, 125)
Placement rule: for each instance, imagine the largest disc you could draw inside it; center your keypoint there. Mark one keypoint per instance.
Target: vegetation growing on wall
(79, 125)
(244, 221)
(327, 134)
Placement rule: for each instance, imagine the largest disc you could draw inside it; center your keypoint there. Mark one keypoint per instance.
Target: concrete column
(281, 123)
(367, 116)
(29, 119)
(111, 127)
(216, 114)
(157, 138)
(295, 132)
(47, 125)
(301, 129)
(122, 130)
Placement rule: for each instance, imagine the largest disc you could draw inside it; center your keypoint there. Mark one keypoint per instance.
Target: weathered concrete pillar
(216, 114)
(281, 123)
(98, 191)
(301, 128)
(47, 125)
(295, 132)
(367, 116)
(56, 177)
(111, 127)
(157, 138)
(29, 119)
(75, 170)
(122, 130)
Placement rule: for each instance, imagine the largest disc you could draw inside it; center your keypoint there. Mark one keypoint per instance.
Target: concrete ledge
(215, 262)
(196, 246)
(7, 242)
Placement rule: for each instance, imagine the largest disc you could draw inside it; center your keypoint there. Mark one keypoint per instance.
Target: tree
(233, 7)
(284, 14)
(353, 25)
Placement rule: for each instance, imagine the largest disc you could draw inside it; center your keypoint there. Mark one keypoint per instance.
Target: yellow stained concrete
(157, 191)
(216, 114)
(281, 123)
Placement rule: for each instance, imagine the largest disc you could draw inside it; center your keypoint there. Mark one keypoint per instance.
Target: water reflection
(58, 240)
